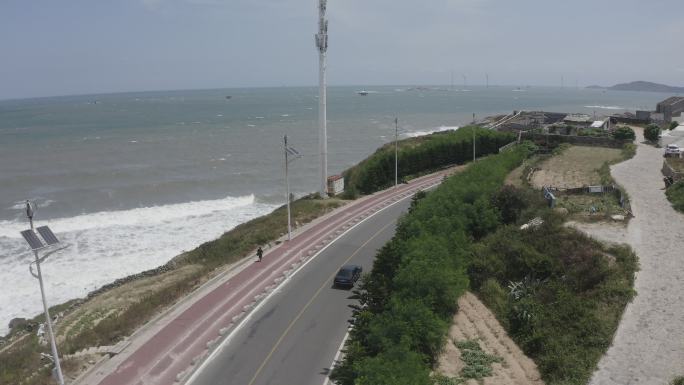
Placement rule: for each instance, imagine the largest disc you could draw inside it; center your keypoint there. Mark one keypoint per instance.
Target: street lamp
(473, 125)
(35, 243)
(289, 152)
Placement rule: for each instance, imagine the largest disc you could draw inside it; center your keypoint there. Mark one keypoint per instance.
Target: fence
(668, 170)
(551, 192)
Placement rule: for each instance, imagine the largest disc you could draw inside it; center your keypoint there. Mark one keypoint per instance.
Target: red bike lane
(170, 355)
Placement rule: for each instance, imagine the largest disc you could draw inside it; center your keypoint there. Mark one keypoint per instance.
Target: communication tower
(322, 45)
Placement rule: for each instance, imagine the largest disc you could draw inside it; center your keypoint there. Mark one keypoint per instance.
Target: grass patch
(478, 364)
(590, 207)
(679, 380)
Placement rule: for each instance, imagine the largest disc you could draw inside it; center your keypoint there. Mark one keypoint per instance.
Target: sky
(68, 47)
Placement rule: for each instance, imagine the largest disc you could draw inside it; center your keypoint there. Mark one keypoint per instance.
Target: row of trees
(423, 154)
(407, 301)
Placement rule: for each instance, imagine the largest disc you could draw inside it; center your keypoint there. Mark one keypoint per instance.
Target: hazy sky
(90, 46)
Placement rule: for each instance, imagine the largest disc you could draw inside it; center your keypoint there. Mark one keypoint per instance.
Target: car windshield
(345, 273)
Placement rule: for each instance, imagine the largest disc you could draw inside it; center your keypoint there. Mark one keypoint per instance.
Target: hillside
(646, 86)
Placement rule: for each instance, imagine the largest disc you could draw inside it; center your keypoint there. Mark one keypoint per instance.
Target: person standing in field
(260, 253)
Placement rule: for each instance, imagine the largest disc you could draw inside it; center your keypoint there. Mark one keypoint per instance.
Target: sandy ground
(575, 167)
(648, 347)
(474, 321)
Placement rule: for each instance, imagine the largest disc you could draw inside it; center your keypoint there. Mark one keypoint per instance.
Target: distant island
(641, 86)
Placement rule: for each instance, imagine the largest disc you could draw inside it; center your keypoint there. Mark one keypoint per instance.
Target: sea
(130, 180)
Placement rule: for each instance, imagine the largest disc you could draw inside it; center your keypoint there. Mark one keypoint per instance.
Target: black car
(347, 275)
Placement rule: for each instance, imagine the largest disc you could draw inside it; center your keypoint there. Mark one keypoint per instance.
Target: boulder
(17, 322)
(561, 210)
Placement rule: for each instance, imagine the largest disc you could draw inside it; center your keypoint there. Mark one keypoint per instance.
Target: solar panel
(32, 239)
(48, 235)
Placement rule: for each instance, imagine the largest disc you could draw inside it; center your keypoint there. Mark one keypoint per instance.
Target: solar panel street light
(36, 243)
(32, 239)
(48, 235)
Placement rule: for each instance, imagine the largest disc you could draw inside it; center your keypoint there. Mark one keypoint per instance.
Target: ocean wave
(39, 202)
(133, 217)
(109, 245)
(607, 107)
(415, 134)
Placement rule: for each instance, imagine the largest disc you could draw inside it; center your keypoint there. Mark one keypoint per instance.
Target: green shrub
(652, 132)
(624, 133)
(675, 194)
(564, 299)
(673, 125)
(397, 366)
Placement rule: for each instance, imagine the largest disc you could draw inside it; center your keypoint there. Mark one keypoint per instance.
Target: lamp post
(289, 151)
(473, 137)
(37, 244)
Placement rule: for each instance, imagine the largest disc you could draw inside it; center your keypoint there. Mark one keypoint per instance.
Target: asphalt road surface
(293, 337)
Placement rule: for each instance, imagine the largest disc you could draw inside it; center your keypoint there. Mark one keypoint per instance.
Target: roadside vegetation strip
(407, 301)
(421, 155)
(559, 293)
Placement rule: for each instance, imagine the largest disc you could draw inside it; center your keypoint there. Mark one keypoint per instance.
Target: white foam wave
(109, 245)
(606, 107)
(428, 132)
(21, 205)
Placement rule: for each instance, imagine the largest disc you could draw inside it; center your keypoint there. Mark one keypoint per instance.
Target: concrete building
(671, 107)
(604, 124)
(578, 120)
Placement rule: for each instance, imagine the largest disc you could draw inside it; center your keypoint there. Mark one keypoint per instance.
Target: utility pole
(289, 151)
(322, 45)
(396, 151)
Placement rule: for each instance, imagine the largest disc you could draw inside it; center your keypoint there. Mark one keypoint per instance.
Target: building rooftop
(672, 100)
(578, 118)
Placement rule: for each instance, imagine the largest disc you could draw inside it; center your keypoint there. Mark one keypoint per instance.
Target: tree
(652, 132)
(624, 133)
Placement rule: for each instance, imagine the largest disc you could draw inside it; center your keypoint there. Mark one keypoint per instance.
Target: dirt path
(648, 347)
(474, 321)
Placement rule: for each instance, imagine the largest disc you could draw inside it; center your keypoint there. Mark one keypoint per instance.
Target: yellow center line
(282, 337)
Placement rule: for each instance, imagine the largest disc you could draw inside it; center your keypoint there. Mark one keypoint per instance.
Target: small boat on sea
(228, 97)
(362, 92)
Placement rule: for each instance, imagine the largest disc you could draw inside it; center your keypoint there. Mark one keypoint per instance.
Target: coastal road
(293, 339)
(176, 345)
